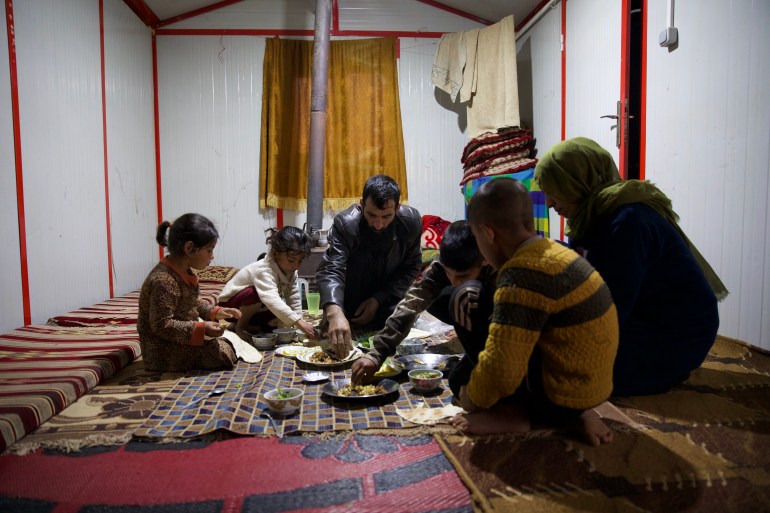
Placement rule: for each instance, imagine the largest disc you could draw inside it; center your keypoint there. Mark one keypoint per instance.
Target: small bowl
(425, 380)
(264, 341)
(285, 335)
(283, 405)
(411, 346)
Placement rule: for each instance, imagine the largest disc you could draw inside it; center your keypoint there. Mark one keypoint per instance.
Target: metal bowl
(263, 341)
(442, 362)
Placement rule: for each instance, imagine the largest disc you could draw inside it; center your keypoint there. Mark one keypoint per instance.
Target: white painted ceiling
(492, 10)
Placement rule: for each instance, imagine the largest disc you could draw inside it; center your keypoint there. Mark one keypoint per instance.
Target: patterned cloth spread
(239, 409)
(540, 210)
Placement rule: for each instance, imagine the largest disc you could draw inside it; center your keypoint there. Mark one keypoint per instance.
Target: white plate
(292, 351)
(355, 354)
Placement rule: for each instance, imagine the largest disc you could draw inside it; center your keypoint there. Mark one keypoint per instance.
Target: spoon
(213, 393)
(273, 423)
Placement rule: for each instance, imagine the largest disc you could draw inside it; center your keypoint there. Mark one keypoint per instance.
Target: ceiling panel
(492, 10)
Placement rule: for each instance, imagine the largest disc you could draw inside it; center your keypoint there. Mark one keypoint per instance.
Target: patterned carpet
(246, 474)
(704, 447)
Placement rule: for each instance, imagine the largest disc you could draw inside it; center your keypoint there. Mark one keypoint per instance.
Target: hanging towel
(471, 38)
(447, 73)
(496, 101)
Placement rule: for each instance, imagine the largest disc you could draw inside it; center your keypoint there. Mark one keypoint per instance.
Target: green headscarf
(582, 172)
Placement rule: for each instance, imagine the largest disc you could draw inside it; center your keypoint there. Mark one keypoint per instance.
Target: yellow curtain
(363, 121)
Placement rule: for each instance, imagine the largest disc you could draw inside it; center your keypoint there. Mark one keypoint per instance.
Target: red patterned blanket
(44, 369)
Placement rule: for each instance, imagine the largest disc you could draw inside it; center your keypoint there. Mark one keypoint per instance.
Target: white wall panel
(434, 134)
(57, 47)
(11, 310)
(593, 70)
(130, 145)
(544, 45)
(210, 95)
(708, 145)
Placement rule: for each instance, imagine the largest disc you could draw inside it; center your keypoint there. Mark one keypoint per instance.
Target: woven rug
(239, 409)
(246, 474)
(703, 447)
(107, 415)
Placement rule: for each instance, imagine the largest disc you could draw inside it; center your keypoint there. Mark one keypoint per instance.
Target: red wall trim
(158, 181)
(279, 218)
(335, 17)
(145, 14)
(293, 32)
(563, 88)
(17, 153)
(458, 12)
(532, 14)
(196, 12)
(625, 76)
(106, 165)
(643, 99)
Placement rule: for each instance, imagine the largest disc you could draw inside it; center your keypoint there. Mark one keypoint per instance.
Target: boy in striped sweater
(554, 334)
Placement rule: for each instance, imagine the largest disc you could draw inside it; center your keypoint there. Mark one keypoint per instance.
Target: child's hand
(307, 328)
(214, 329)
(228, 313)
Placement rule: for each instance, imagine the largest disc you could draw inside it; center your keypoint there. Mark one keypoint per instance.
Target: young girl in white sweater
(266, 291)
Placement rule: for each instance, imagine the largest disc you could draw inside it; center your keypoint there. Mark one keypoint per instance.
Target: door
(592, 78)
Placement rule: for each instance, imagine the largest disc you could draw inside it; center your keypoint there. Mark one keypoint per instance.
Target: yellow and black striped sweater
(549, 296)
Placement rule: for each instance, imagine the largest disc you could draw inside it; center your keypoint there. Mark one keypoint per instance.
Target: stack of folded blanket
(506, 151)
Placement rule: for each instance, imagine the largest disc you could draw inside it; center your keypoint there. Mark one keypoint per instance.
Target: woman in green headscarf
(665, 291)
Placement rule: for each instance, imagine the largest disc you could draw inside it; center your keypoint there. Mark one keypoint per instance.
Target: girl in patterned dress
(171, 334)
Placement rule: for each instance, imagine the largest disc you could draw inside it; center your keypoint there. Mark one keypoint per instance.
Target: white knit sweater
(277, 290)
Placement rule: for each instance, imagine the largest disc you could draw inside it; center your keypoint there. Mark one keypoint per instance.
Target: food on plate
(291, 351)
(322, 357)
(353, 390)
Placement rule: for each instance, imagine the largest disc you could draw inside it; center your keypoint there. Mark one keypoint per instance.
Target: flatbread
(428, 416)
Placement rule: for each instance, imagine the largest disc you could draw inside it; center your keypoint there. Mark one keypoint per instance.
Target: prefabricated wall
(82, 160)
(707, 126)
(708, 144)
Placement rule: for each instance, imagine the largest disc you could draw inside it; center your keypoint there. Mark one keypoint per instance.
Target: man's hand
(363, 371)
(366, 311)
(339, 331)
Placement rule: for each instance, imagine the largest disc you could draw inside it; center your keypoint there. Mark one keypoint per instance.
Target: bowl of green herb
(283, 401)
(425, 380)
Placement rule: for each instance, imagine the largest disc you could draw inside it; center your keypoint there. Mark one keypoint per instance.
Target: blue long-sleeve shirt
(666, 310)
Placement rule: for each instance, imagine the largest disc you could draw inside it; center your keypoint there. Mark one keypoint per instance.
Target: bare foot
(593, 429)
(496, 420)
